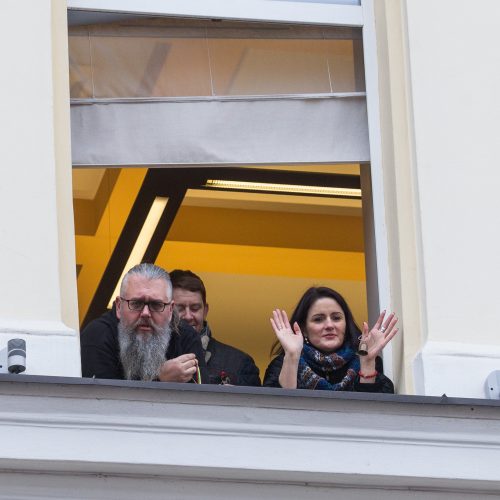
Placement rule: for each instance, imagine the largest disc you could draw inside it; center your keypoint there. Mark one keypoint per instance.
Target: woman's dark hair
(352, 331)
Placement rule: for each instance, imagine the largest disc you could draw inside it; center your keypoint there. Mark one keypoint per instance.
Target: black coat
(235, 366)
(381, 384)
(100, 351)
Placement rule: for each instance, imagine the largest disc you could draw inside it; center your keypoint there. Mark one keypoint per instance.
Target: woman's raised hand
(380, 335)
(291, 339)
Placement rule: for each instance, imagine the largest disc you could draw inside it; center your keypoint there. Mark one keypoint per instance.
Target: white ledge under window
(81, 438)
(342, 13)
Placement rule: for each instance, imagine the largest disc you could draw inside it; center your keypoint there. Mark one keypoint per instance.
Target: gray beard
(143, 355)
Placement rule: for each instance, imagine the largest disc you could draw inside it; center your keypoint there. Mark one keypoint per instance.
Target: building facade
(432, 114)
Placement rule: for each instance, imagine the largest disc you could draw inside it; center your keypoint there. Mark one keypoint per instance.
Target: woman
(320, 351)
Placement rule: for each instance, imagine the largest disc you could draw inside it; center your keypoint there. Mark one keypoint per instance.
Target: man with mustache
(141, 338)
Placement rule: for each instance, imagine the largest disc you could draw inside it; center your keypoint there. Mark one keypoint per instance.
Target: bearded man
(141, 338)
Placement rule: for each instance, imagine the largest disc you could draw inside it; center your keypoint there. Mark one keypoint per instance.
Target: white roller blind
(278, 130)
(165, 91)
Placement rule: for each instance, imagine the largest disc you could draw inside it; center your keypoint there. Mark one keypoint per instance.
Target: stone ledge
(73, 426)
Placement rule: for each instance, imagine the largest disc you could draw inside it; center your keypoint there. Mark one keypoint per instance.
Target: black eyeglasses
(156, 306)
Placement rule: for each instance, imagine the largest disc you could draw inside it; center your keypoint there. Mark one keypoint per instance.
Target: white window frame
(303, 12)
(249, 10)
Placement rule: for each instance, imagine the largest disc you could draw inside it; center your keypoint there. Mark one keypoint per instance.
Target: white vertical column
(38, 286)
(456, 108)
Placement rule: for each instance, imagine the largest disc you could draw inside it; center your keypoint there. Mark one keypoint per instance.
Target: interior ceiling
(82, 17)
(86, 183)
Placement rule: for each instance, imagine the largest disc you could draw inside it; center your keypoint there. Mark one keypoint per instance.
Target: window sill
(265, 436)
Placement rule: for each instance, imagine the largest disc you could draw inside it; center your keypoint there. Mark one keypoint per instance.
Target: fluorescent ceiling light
(284, 188)
(142, 241)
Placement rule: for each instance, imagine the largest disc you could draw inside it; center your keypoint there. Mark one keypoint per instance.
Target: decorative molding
(231, 434)
(35, 327)
(454, 368)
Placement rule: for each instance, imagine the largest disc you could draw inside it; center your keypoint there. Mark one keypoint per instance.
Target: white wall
(455, 113)
(36, 293)
(455, 79)
(113, 439)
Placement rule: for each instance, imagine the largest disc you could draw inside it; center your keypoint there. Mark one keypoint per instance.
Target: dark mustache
(144, 322)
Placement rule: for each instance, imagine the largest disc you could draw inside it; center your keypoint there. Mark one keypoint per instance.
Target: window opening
(254, 250)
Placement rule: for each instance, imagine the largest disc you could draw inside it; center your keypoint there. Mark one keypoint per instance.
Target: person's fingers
(379, 321)
(274, 319)
(278, 318)
(391, 325)
(190, 362)
(274, 325)
(387, 325)
(277, 329)
(184, 357)
(387, 339)
(279, 321)
(286, 322)
(390, 336)
(365, 328)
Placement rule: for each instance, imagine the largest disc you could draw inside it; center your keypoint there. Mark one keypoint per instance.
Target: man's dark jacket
(230, 365)
(100, 351)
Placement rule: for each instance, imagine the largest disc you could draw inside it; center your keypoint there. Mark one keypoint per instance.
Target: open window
(258, 138)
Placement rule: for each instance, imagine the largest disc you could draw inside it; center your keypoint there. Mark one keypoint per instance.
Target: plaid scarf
(314, 368)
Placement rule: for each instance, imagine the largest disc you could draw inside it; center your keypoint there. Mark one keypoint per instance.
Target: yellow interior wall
(244, 284)
(253, 261)
(268, 228)
(94, 251)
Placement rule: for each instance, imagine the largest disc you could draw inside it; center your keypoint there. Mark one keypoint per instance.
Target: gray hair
(150, 272)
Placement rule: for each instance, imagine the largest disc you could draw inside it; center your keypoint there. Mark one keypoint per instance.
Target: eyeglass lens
(154, 305)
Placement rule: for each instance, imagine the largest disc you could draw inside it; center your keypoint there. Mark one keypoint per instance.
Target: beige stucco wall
(400, 196)
(439, 115)
(439, 126)
(38, 293)
(62, 150)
